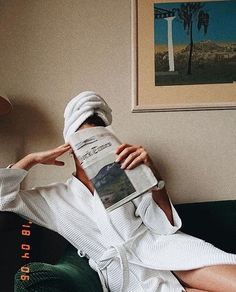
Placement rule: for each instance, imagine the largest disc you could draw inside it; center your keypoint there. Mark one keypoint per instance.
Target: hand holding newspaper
(95, 148)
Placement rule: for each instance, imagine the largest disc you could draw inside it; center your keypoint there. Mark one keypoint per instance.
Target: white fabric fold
(82, 107)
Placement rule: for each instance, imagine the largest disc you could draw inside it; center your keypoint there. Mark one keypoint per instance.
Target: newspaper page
(95, 149)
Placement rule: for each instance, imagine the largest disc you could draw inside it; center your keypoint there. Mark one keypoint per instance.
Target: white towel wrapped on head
(82, 107)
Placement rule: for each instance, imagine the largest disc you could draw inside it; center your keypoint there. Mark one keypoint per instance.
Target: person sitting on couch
(136, 247)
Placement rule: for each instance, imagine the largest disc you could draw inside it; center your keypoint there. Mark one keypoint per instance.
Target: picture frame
(146, 96)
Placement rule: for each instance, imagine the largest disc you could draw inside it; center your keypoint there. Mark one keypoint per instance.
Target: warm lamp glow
(5, 105)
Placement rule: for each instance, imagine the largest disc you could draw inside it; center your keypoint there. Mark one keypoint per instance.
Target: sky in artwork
(222, 24)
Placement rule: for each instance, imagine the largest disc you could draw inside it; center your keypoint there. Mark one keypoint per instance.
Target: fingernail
(122, 166)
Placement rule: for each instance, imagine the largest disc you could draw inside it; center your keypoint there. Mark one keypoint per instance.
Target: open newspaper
(95, 149)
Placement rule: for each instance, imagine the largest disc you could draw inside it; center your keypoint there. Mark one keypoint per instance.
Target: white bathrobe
(133, 248)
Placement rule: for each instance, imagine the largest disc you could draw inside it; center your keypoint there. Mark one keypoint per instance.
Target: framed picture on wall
(183, 55)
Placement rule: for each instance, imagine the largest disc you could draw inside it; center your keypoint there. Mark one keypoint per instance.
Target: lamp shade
(5, 105)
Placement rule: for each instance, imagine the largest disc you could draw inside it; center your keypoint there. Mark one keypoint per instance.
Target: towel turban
(82, 107)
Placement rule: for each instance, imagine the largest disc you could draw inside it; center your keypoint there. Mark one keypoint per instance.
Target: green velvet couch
(214, 222)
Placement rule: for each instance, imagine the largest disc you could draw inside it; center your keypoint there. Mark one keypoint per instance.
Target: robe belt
(116, 251)
(119, 252)
(117, 247)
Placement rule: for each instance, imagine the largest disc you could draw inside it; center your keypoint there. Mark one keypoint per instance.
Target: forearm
(162, 200)
(161, 197)
(25, 163)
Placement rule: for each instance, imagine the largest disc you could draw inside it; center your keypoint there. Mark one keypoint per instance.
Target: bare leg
(216, 278)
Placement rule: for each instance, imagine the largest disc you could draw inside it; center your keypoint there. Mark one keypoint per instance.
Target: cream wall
(53, 49)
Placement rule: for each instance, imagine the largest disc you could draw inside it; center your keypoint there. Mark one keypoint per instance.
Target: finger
(128, 160)
(121, 148)
(71, 151)
(64, 145)
(137, 161)
(59, 163)
(60, 150)
(126, 152)
(63, 149)
(52, 155)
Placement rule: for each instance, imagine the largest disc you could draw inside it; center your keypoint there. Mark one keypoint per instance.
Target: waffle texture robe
(133, 248)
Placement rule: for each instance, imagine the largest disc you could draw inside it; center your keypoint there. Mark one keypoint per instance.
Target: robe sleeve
(154, 217)
(30, 204)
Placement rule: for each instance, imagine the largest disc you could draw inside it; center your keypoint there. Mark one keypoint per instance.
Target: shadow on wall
(27, 122)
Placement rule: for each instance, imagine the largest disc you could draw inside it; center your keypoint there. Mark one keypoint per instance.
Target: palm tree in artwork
(189, 13)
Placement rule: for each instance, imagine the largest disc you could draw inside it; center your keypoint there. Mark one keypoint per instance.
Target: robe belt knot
(119, 252)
